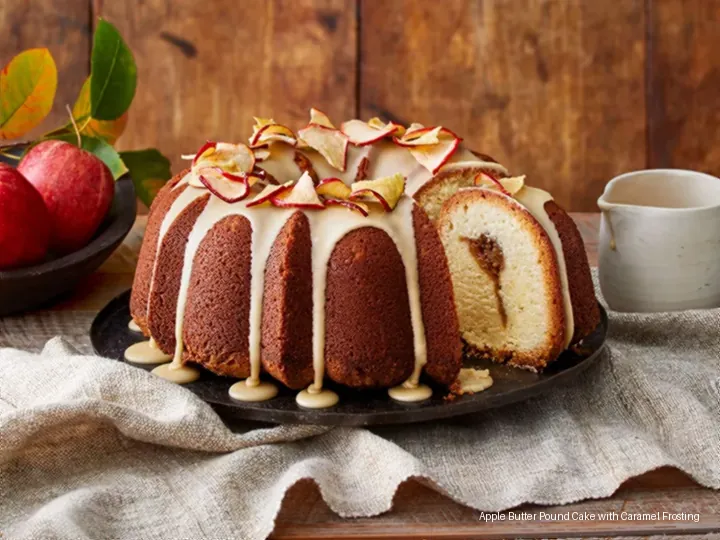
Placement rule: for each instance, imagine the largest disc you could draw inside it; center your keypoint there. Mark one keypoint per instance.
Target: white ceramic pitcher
(660, 241)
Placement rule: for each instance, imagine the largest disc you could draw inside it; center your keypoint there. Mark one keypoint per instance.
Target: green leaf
(98, 147)
(149, 170)
(27, 91)
(113, 74)
(110, 130)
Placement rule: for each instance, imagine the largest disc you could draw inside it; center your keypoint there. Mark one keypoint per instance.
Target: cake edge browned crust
(217, 312)
(287, 306)
(369, 335)
(146, 258)
(442, 329)
(162, 307)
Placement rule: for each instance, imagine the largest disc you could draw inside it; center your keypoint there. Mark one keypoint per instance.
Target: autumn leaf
(109, 130)
(149, 170)
(27, 91)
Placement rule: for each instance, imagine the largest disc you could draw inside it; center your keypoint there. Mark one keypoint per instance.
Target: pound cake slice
(517, 263)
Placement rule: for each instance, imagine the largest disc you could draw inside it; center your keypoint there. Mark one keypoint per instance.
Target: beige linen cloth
(93, 448)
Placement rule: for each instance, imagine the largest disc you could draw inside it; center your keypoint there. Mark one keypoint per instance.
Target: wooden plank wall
(570, 92)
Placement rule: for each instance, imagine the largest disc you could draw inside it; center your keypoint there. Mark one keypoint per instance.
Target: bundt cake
(316, 255)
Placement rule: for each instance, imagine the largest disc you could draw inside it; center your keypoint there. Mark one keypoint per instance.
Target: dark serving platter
(31, 287)
(110, 337)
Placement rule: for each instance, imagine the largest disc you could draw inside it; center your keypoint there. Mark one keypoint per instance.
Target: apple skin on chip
(230, 157)
(264, 198)
(333, 188)
(302, 195)
(508, 186)
(224, 185)
(419, 136)
(319, 118)
(434, 156)
(330, 142)
(272, 133)
(362, 133)
(386, 191)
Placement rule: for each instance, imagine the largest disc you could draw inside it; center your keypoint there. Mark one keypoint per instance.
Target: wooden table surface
(418, 512)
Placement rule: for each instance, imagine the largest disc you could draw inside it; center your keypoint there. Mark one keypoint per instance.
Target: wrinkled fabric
(94, 448)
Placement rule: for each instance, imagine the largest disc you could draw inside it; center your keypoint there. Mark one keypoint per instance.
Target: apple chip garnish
(302, 195)
(261, 153)
(431, 147)
(330, 142)
(260, 122)
(269, 133)
(434, 156)
(233, 158)
(417, 135)
(194, 180)
(355, 206)
(205, 149)
(319, 118)
(376, 123)
(386, 191)
(508, 186)
(268, 192)
(224, 185)
(362, 133)
(333, 188)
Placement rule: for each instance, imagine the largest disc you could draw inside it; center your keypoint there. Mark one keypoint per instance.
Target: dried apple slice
(206, 148)
(379, 124)
(228, 187)
(420, 137)
(234, 158)
(362, 133)
(387, 191)
(508, 186)
(273, 133)
(194, 180)
(260, 122)
(302, 195)
(434, 156)
(330, 142)
(261, 153)
(333, 188)
(355, 206)
(319, 118)
(270, 191)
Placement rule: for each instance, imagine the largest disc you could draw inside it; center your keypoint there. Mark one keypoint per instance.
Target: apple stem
(10, 156)
(72, 119)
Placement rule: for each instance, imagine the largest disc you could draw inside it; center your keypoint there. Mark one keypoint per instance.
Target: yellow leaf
(27, 91)
(110, 130)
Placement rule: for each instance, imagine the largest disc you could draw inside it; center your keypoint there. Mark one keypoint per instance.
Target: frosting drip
(534, 200)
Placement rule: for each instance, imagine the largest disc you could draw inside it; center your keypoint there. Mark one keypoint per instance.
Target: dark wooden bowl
(33, 286)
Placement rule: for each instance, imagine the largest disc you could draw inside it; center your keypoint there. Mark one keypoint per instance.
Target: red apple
(24, 221)
(77, 189)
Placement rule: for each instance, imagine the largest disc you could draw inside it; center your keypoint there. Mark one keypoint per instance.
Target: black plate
(32, 286)
(110, 337)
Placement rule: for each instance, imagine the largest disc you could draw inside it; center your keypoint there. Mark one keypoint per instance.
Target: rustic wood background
(571, 92)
